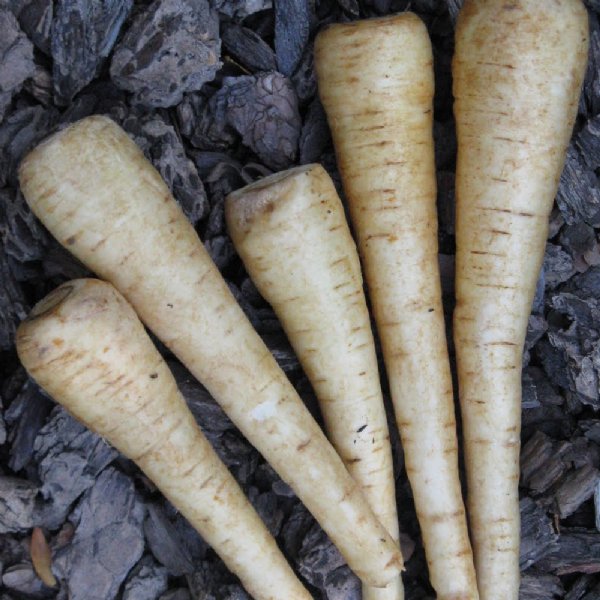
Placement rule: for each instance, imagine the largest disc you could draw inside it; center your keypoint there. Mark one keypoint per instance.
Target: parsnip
(86, 347)
(97, 194)
(376, 83)
(291, 232)
(518, 71)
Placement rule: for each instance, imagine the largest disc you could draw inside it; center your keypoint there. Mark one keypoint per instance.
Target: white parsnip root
(291, 232)
(97, 194)
(518, 70)
(86, 347)
(376, 83)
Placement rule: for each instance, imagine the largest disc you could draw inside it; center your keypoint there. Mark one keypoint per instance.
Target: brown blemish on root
(393, 562)
(495, 286)
(126, 258)
(206, 481)
(220, 489)
(511, 443)
(99, 244)
(190, 470)
(443, 517)
(303, 445)
(493, 64)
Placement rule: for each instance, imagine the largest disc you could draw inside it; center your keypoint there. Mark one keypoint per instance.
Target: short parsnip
(518, 70)
(86, 347)
(291, 232)
(97, 194)
(376, 83)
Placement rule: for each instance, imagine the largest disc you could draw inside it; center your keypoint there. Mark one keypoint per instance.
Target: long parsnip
(291, 232)
(518, 70)
(376, 83)
(86, 347)
(97, 194)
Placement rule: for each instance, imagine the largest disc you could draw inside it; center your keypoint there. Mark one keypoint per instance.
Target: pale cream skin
(86, 347)
(291, 232)
(376, 83)
(518, 70)
(97, 194)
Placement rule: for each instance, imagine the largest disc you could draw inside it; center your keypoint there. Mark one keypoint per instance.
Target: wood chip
(41, 557)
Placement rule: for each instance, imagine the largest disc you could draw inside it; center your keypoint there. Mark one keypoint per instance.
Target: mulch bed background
(218, 94)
